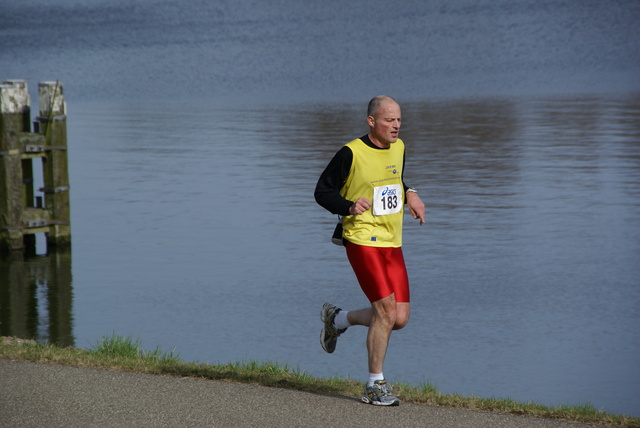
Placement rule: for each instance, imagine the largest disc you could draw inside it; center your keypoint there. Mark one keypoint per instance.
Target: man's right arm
(327, 193)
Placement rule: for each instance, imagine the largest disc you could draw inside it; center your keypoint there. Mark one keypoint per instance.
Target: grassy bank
(123, 353)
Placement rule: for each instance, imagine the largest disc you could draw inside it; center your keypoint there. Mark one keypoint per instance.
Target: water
(197, 132)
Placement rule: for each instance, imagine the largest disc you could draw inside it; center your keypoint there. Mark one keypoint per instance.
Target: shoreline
(122, 355)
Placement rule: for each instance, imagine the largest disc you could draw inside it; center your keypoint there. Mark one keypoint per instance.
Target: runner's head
(384, 119)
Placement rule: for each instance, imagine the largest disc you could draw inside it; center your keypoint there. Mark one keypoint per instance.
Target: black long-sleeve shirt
(327, 193)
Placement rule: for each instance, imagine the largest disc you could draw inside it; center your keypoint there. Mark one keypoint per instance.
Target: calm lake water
(197, 131)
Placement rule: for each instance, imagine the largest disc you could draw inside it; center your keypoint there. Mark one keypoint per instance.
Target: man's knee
(402, 316)
(393, 314)
(401, 321)
(385, 310)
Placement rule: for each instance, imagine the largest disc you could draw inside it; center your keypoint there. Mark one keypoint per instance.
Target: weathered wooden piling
(22, 213)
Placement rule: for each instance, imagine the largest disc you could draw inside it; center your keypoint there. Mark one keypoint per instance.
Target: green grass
(123, 353)
(116, 346)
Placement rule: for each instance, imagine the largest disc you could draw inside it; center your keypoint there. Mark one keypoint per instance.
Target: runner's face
(385, 126)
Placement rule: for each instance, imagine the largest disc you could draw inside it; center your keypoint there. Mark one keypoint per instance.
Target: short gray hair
(376, 102)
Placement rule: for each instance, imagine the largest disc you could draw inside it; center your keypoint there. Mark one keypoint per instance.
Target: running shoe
(379, 394)
(329, 334)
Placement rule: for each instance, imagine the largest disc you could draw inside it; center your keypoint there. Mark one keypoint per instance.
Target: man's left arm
(414, 203)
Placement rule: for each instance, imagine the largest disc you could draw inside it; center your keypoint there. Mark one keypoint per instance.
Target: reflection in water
(36, 297)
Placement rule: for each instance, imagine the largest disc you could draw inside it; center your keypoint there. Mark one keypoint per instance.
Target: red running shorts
(381, 272)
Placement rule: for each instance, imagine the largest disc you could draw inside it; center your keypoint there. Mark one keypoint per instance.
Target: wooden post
(20, 217)
(14, 114)
(53, 124)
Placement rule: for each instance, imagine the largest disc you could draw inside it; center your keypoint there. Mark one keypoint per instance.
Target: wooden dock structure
(23, 212)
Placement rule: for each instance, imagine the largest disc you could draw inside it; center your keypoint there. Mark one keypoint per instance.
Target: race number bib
(387, 199)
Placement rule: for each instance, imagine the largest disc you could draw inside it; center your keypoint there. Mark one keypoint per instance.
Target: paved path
(43, 395)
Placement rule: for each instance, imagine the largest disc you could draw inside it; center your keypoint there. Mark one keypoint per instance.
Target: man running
(364, 184)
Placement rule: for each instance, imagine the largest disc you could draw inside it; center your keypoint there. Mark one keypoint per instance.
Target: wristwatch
(411, 189)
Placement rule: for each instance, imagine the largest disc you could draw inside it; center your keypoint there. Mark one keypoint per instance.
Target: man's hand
(416, 206)
(360, 206)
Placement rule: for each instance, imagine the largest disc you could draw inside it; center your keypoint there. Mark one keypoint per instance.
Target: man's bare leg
(382, 317)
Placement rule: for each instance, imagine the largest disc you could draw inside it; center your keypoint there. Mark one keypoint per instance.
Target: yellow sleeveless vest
(375, 174)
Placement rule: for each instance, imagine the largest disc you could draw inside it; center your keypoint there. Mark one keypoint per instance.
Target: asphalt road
(44, 395)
